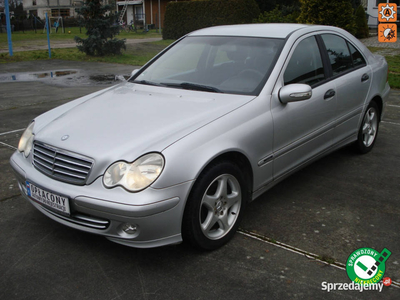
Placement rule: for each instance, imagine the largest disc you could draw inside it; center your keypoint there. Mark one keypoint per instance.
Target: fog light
(129, 228)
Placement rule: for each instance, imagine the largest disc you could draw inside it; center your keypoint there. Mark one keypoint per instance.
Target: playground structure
(55, 22)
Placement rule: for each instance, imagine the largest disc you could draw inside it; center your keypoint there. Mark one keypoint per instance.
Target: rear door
(352, 78)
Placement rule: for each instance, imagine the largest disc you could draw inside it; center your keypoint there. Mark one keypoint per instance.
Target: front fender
(247, 130)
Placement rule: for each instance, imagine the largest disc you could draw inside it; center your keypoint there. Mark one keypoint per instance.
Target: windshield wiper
(148, 82)
(194, 86)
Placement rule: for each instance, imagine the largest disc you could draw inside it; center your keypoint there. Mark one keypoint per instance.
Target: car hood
(130, 120)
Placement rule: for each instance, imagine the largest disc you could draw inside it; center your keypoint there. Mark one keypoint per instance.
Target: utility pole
(8, 24)
(159, 16)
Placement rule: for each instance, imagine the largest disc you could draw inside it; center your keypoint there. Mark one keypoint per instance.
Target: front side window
(305, 65)
(236, 65)
(338, 52)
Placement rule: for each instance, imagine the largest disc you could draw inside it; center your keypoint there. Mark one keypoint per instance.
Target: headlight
(135, 176)
(26, 141)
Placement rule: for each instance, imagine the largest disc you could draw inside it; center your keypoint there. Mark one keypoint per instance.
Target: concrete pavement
(332, 207)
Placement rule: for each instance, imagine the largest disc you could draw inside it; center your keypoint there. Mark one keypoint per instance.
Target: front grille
(60, 164)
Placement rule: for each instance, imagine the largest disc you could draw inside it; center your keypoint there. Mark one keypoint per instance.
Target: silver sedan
(208, 125)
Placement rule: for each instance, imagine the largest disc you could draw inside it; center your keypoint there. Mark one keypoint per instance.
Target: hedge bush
(184, 17)
(280, 14)
(327, 12)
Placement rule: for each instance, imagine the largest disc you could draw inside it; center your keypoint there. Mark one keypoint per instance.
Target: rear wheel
(369, 129)
(215, 206)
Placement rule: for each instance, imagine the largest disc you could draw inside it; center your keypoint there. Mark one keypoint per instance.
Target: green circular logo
(367, 266)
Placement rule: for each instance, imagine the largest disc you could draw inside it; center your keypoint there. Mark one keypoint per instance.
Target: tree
(327, 12)
(18, 10)
(101, 28)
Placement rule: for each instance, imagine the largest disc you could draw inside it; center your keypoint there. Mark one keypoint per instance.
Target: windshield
(236, 65)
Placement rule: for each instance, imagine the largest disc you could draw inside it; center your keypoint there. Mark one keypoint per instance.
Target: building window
(62, 12)
(33, 2)
(65, 12)
(139, 16)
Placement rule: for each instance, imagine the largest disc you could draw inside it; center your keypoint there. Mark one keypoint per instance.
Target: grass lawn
(394, 65)
(394, 71)
(20, 38)
(135, 54)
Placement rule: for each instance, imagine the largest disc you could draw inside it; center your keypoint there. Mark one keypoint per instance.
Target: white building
(132, 11)
(54, 8)
(372, 10)
(143, 12)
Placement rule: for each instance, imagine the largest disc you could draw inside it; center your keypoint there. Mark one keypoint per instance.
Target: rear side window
(358, 59)
(305, 65)
(338, 52)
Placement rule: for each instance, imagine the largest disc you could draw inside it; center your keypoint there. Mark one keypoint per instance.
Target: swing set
(58, 21)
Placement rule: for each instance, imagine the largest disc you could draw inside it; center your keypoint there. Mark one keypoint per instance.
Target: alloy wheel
(220, 206)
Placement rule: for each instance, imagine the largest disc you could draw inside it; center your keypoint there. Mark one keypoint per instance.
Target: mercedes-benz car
(176, 152)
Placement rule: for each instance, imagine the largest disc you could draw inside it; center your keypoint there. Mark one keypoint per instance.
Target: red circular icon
(387, 281)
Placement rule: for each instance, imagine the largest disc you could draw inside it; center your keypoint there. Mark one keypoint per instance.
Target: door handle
(365, 77)
(329, 94)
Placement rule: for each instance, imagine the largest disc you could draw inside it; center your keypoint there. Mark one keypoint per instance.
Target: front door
(303, 129)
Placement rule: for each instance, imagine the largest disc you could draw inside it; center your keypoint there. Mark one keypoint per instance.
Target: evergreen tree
(102, 27)
(361, 22)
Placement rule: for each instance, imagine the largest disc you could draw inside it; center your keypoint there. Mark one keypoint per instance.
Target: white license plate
(51, 200)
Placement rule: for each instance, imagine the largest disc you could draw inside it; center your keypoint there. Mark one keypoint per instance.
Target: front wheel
(369, 129)
(215, 206)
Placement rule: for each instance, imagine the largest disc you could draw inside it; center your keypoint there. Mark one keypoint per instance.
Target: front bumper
(385, 96)
(156, 213)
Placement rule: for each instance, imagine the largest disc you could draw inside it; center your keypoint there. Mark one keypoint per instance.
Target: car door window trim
(326, 59)
(321, 60)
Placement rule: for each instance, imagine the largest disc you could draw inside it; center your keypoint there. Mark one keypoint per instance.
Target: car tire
(368, 131)
(215, 206)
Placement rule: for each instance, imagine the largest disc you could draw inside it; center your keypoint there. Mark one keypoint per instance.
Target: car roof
(272, 30)
(278, 30)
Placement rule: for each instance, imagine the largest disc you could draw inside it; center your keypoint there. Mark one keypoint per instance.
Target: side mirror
(134, 72)
(294, 92)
